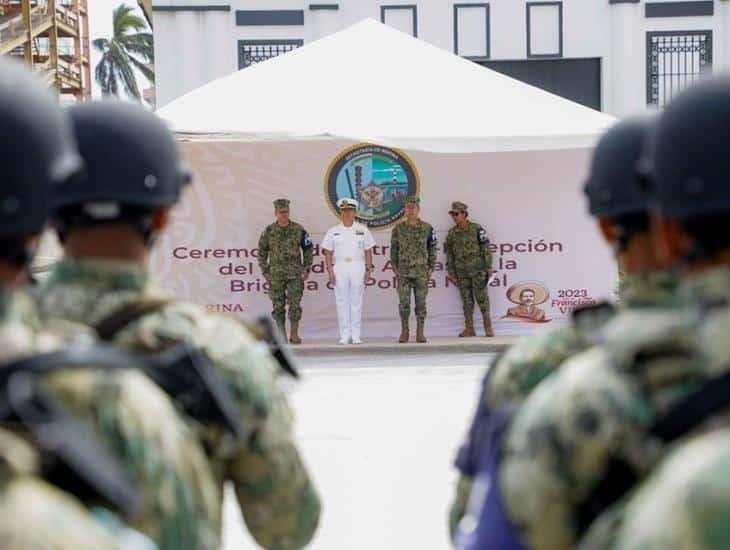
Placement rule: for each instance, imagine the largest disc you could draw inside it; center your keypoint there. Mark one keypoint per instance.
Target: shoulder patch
(432, 238)
(306, 241)
(482, 236)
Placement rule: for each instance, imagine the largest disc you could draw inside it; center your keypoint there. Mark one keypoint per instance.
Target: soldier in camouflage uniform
(595, 428)
(285, 258)
(469, 266)
(128, 414)
(621, 213)
(686, 502)
(413, 255)
(108, 221)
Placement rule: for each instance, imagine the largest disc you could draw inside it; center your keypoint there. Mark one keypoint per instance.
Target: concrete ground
(435, 345)
(379, 432)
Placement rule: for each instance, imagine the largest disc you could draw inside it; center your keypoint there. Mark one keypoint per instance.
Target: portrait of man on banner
(527, 296)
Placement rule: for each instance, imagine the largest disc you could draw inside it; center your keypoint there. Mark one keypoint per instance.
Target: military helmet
(131, 158)
(613, 186)
(37, 150)
(688, 162)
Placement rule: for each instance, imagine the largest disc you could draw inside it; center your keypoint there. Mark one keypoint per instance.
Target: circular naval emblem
(379, 178)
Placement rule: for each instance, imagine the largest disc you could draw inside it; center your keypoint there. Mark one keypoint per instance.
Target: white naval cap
(347, 203)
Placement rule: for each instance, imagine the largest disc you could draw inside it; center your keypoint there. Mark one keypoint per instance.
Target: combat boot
(420, 337)
(404, 332)
(488, 327)
(468, 329)
(294, 336)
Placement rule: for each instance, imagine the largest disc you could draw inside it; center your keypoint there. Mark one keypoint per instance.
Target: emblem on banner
(378, 178)
(527, 296)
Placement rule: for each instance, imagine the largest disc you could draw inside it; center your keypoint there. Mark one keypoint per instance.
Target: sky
(100, 26)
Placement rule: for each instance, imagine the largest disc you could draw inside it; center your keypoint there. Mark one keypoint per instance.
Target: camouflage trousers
(283, 292)
(474, 288)
(419, 286)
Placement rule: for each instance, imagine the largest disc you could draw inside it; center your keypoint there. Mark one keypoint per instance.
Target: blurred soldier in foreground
(687, 178)
(413, 255)
(594, 429)
(622, 215)
(285, 258)
(107, 223)
(161, 456)
(469, 266)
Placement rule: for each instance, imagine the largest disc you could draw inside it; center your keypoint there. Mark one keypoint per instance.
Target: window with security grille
(674, 61)
(251, 52)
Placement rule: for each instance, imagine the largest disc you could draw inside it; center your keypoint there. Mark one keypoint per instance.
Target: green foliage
(129, 48)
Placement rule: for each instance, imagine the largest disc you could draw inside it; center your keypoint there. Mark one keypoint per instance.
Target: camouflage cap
(413, 199)
(281, 204)
(458, 207)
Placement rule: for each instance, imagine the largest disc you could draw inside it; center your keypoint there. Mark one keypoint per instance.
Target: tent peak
(371, 82)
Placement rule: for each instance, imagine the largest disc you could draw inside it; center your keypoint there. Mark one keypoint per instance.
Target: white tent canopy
(373, 83)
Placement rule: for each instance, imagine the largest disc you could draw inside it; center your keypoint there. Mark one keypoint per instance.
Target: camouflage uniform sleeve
(140, 426)
(484, 246)
(560, 442)
(432, 243)
(277, 497)
(307, 250)
(530, 360)
(264, 252)
(394, 247)
(450, 259)
(50, 519)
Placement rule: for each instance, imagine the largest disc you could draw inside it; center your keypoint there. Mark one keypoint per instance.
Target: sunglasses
(454, 214)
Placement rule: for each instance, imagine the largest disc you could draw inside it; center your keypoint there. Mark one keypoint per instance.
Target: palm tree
(129, 48)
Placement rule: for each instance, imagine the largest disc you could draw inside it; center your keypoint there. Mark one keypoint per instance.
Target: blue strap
(468, 457)
(487, 525)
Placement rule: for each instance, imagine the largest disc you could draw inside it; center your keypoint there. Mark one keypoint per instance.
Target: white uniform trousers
(349, 289)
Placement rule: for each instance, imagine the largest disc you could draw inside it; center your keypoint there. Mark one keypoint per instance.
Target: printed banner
(548, 255)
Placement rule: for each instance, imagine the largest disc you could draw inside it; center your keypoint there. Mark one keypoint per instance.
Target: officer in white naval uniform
(349, 257)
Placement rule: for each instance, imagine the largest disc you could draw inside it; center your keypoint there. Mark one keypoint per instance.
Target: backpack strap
(110, 326)
(711, 398)
(184, 373)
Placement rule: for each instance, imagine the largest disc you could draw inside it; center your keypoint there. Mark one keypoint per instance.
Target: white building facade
(619, 56)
